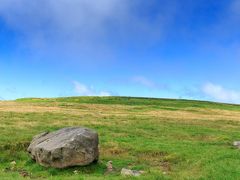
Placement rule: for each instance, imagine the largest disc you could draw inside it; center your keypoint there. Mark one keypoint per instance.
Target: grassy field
(168, 139)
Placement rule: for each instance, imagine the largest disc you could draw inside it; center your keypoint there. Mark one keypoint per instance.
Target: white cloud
(235, 7)
(219, 93)
(77, 28)
(144, 81)
(105, 93)
(84, 90)
(63, 27)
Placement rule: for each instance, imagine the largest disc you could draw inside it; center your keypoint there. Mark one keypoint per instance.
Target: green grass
(177, 103)
(168, 139)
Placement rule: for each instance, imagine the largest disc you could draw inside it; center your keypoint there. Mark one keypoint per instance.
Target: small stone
(237, 144)
(13, 163)
(75, 172)
(109, 166)
(129, 172)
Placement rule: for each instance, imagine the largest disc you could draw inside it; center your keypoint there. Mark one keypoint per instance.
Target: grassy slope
(169, 139)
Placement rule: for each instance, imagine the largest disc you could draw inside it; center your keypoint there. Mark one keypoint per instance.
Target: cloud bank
(84, 90)
(63, 27)
(96, 29)
(78, 29)
(219, 93)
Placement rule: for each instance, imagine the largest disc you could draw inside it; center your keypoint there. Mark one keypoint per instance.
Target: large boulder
(73, 146)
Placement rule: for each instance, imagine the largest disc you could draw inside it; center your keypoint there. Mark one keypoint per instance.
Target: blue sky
(156, 48)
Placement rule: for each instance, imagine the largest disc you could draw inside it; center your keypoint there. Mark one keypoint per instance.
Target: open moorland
(168, 139)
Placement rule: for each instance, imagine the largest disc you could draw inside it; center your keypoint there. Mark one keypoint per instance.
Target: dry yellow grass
(120, 110)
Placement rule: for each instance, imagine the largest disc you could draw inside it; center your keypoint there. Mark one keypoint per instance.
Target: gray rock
(73, 146)
(109, 166)
(129, 172)
(237, 144)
